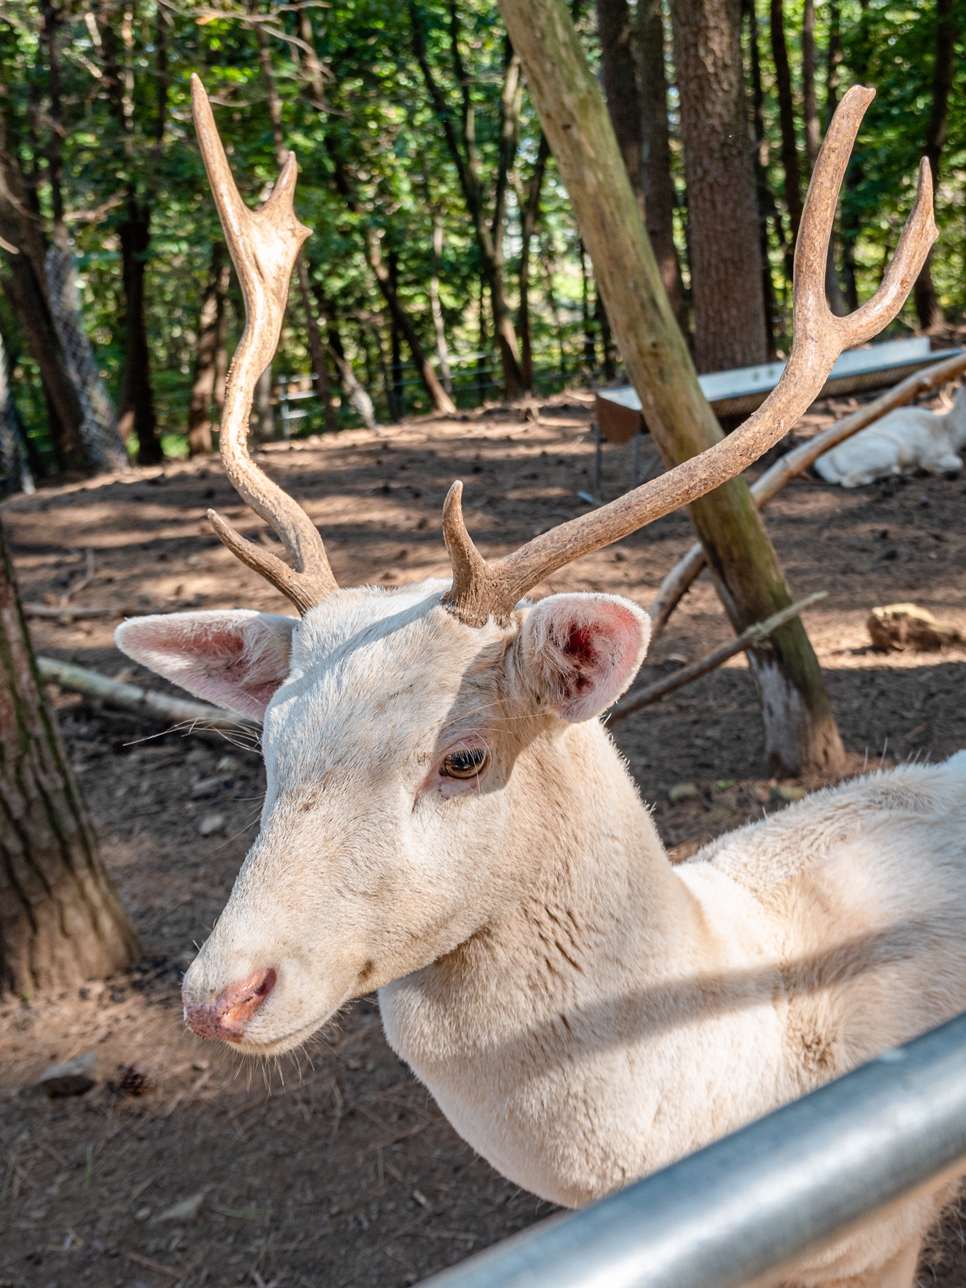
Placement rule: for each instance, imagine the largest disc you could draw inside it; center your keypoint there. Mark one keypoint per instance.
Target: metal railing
(750, 1204)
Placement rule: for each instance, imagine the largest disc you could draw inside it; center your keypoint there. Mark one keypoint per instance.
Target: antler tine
(264, 246)
(481, 590)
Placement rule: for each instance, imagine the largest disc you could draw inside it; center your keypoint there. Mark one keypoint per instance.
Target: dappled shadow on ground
(344, 1172)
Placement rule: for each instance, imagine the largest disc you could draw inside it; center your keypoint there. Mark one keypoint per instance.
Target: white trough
(738, 392)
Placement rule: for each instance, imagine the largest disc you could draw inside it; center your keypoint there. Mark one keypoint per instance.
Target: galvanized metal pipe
(764, 1196)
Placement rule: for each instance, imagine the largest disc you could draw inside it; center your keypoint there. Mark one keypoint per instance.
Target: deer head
(414, 737)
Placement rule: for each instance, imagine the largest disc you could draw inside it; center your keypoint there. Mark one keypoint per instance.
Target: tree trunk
(442, 348)
(800, 731)
(660, 197)
(489, 238)
(928, 308)
(786, 116)
(614, 29)
(24, 284)
(529, 203)
(137, 402)
(833, 59)
(206, 355)
(351, 387)
(60, 919)
(441, 399)
(729, 307)
(136, 413)
(813, 139)
(320, 367)
(766, 202)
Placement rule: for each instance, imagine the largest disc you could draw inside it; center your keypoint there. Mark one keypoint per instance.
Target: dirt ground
(334, 1167)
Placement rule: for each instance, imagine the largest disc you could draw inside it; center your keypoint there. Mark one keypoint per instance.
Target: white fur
(583, 1011)
(906, 440)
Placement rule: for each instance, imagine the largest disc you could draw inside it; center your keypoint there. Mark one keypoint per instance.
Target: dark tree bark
(60, 919)
(320, 367)
(529, 202)
(856, 173)
(813, 139)
(351, 387)
(463, 151)
(136, 412)
(137, 401)
(766, 202)
(786, 117)
(24, 284)
(404, 323)
(833, 60)
(729, 307)
(614, 29)
(800, 731)
(928, 308)
(210, 331)
(660, 197)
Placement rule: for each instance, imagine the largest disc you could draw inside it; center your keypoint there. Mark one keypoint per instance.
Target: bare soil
(334, 1168)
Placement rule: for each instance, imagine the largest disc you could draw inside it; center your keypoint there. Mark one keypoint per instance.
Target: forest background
(445, 266)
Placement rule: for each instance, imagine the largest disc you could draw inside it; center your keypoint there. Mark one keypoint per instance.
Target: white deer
(906, 440)
(447, 821)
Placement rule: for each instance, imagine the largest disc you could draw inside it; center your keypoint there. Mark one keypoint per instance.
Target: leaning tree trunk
(800, 731)
(60, 918)
(729, 306)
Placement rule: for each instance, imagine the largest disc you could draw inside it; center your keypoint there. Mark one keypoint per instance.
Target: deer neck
(605, 923)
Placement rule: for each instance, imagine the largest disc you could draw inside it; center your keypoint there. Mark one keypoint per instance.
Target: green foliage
(372, 156)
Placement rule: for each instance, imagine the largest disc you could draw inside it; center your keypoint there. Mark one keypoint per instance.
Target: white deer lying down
(905, 440)
(447, 821)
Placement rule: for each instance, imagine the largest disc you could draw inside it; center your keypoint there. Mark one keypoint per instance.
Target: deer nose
(228, 1015)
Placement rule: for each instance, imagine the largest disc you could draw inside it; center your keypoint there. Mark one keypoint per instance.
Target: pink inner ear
(235, 659)
(586, 650)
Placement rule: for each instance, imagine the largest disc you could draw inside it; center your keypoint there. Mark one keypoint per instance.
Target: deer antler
(482, 589)
(264, 246)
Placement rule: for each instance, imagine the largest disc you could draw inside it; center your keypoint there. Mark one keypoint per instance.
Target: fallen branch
(676, 583)
(69, 612)
(143, 702)
(748, 638)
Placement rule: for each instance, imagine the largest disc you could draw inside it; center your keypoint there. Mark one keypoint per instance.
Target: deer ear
(580, 652)
(236, 658)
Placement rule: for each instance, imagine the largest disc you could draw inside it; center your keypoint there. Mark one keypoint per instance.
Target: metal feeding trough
(738, 392)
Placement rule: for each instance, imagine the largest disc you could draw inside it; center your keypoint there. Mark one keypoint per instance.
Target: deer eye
(464, 764)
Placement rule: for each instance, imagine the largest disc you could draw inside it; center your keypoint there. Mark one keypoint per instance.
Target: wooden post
(60, 919)
(800, 730)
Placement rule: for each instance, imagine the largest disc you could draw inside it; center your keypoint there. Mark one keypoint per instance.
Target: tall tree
(766, 202)
(729, 306)
(462, 146)
(24, 284)
(660, 198)
(210, 332)
(813, 138)
(60, 918)
(786, 116)
(635, 85)
(800, 729)
(928, 308)
(320, 367)
(833, 60)
(137, 412)
(528, 200)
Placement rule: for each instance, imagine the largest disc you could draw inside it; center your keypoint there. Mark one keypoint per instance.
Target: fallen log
(142, 702)
(748, 638)
(70, 612)
(675, 585)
